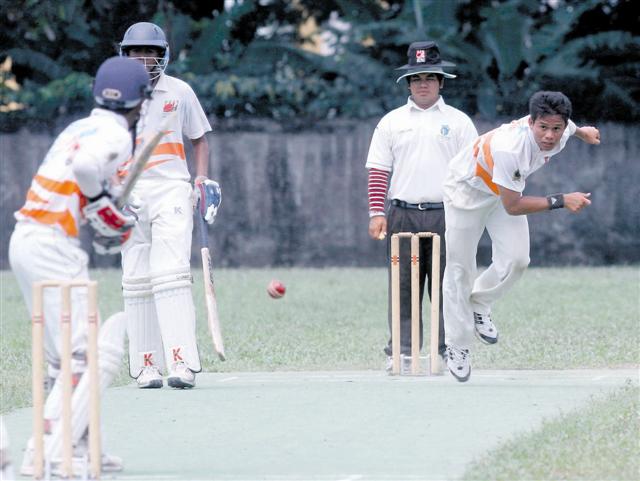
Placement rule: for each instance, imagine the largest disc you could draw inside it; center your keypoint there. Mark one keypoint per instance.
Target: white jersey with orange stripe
(175, 99)
(81, 163)
(505, 156)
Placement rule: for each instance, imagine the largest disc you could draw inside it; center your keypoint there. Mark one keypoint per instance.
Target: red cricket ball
(276, 289)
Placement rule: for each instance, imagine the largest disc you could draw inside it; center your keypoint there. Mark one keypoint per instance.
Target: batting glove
(106, 219)
(208, 197)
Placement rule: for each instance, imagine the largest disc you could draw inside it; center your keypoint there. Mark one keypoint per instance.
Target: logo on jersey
(445, 130)
(517, 176)
(170, 106)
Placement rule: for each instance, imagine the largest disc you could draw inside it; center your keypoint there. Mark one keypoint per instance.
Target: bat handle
(202, 228)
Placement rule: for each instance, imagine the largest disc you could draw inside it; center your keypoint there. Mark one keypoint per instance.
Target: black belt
(422, 206)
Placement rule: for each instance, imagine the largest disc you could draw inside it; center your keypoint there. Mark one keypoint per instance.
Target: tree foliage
(256, 58)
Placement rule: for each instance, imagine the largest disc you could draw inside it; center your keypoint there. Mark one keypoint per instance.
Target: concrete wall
(300, 198)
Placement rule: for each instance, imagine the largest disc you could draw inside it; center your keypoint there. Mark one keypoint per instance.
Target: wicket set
(434, 363)
(37, 356)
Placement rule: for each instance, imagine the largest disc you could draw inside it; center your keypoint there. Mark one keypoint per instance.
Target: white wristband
(374, 213)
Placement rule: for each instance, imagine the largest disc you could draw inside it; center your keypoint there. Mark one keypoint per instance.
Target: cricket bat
(209, 292)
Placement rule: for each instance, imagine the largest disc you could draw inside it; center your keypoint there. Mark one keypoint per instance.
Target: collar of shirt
(162, 84)
(438, 105)
(108, 113)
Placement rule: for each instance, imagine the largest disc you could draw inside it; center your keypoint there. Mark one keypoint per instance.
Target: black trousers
(413, 220)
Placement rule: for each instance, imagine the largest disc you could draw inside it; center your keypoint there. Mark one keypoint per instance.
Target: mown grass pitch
(335, 319)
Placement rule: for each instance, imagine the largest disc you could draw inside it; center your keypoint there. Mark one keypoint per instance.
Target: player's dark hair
(549, 103)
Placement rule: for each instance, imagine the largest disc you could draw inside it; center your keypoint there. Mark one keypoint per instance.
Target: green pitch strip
(328, 425)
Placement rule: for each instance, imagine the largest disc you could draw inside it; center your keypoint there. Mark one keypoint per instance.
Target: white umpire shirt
(415, 145)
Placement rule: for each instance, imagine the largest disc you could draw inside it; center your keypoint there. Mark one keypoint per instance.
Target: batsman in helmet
(76, 183)
(156, 278)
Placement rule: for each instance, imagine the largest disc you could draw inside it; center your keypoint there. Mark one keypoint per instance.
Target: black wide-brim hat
(424, 57)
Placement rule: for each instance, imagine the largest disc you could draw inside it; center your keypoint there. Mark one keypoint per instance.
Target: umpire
(407, 163)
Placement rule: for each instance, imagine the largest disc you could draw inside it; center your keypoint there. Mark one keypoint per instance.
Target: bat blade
(212, 305)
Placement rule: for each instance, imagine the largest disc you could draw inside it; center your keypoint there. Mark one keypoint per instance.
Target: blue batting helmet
(121, 83)
(146, 34)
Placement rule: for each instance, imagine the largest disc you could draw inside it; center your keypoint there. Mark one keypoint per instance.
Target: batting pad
(177, 316)
(110, 352)
(145, 343)
(53, 404)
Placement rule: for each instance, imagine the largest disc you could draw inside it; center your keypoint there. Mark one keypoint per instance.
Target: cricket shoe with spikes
(181, 376)
(485, 329)
(149, 378)
(459, 363)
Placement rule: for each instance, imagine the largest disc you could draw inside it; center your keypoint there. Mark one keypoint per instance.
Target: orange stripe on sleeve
(171, 148)
(65, 219)
(63, 188)
(33, 197)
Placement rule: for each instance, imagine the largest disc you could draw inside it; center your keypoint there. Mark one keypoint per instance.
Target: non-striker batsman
(156, 278)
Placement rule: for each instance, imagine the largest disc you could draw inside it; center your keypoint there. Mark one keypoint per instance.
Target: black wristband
(556, 201)
(99, 196)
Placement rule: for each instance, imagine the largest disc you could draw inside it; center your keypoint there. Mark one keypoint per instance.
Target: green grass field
(335, 319)
(599, 442)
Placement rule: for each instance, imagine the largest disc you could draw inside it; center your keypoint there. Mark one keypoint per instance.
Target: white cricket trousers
(157, 278)
(464, 292)
(37, 253)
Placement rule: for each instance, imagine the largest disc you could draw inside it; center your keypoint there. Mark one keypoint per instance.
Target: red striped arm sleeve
(378, 182)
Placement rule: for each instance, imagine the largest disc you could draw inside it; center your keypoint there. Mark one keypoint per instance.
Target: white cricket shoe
(181, 376)
(149, 378)
(81, 469)
(26, 468)
(485, 330)
(79, 462)
(459, 363)
(405, 364)
(109, 462)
